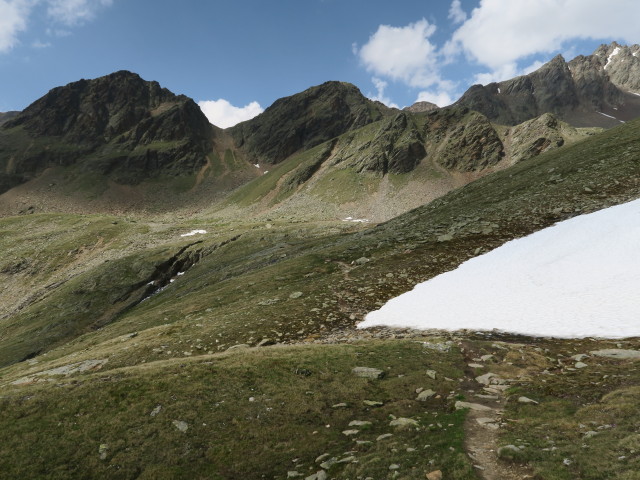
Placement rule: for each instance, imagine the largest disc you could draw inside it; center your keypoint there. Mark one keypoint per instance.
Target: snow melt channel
(578, 278)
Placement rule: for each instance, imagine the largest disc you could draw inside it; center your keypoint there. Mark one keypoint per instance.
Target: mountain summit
(119, 125)
(596, 90)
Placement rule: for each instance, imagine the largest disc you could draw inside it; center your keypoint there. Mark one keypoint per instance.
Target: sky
(576, 279)
(236, 57)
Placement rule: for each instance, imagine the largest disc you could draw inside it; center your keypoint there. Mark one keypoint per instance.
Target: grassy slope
(240, 292)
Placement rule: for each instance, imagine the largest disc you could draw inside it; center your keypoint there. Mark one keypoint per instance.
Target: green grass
(250, 414)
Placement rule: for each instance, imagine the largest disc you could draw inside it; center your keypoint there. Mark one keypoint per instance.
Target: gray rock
(293, 474)
(373, 403)
(180, 425)
(349, 433)
(472, 406)
(527, 400)
(103, 450)
(362, 260)
(367, 372)
(240, 346)
(431, 374)
(424, 395)
(617, 353)
(339, 405)
(486, 358)
(329, 463)
(322, 457)
(489, 379)
(580, 365)
(320, 475)
(508, 448)
(359, 423)
(295, 295)
(394, 466)
(156, 411)
(476, 365)
(402, 423)
(384, 436)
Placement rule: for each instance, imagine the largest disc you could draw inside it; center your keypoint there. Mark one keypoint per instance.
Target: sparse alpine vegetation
(129, 349)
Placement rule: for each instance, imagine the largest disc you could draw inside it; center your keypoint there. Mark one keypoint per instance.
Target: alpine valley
(181, 300)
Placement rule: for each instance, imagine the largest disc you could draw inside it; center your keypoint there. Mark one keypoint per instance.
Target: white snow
(578, 278)
(610, 57)
(636, 93)
(499, 90)
(194, 232)
(257, 165)
(356, 220)
(621, 121)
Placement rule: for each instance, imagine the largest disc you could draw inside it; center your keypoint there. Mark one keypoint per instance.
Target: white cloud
(13, 20)
(403, 53)
(222, 114)
(75, 12)
(501, 32)
(456, 14)
(440, 98)
(15, 14)
(380, 86)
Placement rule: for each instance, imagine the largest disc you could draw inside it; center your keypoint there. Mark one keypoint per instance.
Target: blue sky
(229, 55)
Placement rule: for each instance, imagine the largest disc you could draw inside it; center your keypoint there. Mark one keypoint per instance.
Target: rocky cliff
(594, 90)
(118, 125)
(304, 120)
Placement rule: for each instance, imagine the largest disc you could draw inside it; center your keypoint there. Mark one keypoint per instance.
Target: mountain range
(181, 301)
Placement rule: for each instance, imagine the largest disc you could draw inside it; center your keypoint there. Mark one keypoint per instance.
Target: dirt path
(482, 428)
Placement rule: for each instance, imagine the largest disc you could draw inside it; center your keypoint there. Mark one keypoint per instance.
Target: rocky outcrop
(537, 136)
(304, 120)
(588, 91)
(6, 116)
(462, 140)
(420, 107)
(118, 125)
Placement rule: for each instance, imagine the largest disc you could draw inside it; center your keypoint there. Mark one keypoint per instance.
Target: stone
(472, 406)
(103, 450)
(580, 365)
(475, 365)
(424, 395)
(384, 436)
(180, 425)
(348, 433)
(295, 295)
(403, 423)
(527, 400)
(362, 260)
(339, 405)
(372, 403)
(320, 475)
(322, 457)
(367, 372)
(508, 448)
(293, 474)
(156, 411)
(394, 466)
(489, 379)
(265, 342)
(240, 346)
(349, 459)
(359, 423)
(579, 357)
(486, 358)
(329, 463)
(431, 374)
(617, 353)
(435, 475)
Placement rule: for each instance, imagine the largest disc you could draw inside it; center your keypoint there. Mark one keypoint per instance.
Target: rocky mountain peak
(420, 107)
(305, 120)
(119, 124)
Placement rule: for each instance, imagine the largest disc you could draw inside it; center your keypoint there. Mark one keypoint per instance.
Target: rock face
(305, 120)
(537, 136)
(118, 125)
(420, 107)
(6, 116)
(594, 90)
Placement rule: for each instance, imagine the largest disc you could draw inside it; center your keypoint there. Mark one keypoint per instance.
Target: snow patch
(636, 93)
(499, 90)
(578, 278)
(356, 220)
(194, 232)
(257, 165)
(621, 121)
(610, 57)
